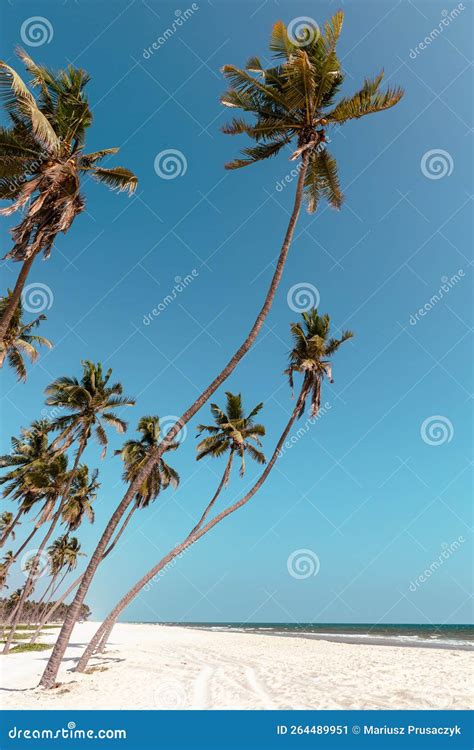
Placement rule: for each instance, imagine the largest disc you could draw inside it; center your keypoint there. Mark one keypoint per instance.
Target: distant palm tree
(307, 387)
(135, 453)
(19, 339)
(311, 351)
(63, 556)
(5, 564)
(299, 87)
(27, 452)
(82, 494)
(42, 154)
(91, 402)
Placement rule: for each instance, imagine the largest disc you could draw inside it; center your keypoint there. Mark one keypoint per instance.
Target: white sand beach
(160, 667)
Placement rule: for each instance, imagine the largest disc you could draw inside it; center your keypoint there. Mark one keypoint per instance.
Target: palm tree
(63, 556)
(307, 388)
(27, 452)
(311, 351)
(5, 567)
(42, 153)
(19, 339)
(232, 432)
(91, 402)
(82, 494)
(297, 87)
(135, 453)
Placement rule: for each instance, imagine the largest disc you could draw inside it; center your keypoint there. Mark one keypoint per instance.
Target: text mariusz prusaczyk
(367, 729)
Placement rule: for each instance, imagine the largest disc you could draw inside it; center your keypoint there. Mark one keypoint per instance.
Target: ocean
(424, 636)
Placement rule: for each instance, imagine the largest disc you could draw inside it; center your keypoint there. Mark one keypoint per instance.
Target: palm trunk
(15, 298)
(50, 673)
(109, 622)
(30, 581)
(47, 615)
(26, 542)
(10, 528)
(222, 484)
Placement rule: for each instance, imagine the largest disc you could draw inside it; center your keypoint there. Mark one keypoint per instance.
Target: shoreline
(172, 667)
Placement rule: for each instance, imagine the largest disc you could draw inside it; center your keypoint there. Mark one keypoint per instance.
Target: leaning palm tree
(6, 523)
(310, 374)
(19, 339)
(135, 453)
(43, 160)
(5, 565)
(27, 452)
(232, 432)
(311, 352)
(63, 555)
(90, 402)
(296, 87)
(82, 494)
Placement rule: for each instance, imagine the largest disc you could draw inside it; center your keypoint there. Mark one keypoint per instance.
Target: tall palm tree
(82, 494)
(232, 432)
(42, 153)
(307, 389)
(19, 339)
(135, 453)
(5, 564)
(311, 352)
(27, 452)
(265, 94)
(63, 556)
(90, 402)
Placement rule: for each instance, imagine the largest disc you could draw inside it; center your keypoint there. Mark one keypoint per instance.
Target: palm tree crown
(295, 99)
(310, 354)
(82, 493)
(232, 431)
(91, 402)
(19, 339)
(64, 552)
(42, 153)
(135, 453)
(27, 452)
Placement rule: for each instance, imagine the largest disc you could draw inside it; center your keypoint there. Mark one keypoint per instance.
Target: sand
(160, 667)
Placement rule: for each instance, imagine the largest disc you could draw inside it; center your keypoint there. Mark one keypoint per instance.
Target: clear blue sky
(361, 490)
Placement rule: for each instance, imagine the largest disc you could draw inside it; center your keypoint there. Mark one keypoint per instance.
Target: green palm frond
(118, 178)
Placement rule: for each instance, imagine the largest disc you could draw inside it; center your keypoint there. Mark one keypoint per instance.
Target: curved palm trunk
(50, 673)
(15, 298)
(10, 528)
(47, 615)
(106, 627)
(30, 580)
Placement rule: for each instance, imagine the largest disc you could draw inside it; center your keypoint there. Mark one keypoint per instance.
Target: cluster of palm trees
(291, 104)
